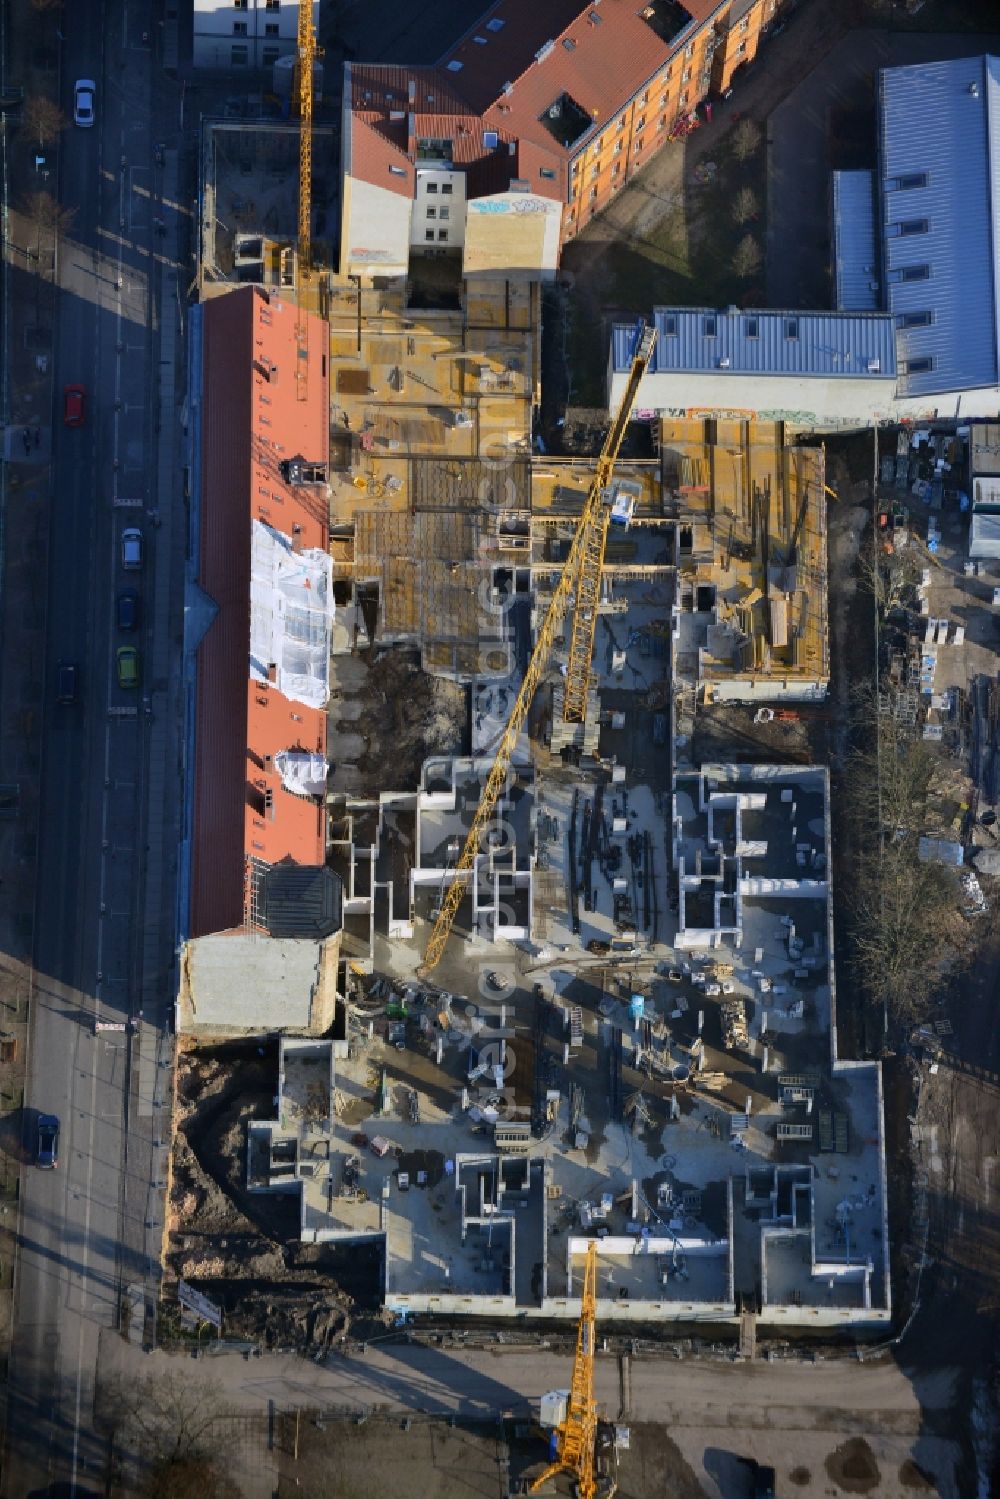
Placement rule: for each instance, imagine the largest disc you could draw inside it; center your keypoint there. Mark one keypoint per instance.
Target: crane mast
(576, 1435)
(581, 575)
(306, 49)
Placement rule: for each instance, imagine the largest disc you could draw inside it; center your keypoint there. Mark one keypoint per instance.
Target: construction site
(562, 1006)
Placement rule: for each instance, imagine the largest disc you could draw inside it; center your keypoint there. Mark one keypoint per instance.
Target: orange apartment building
(543, 108)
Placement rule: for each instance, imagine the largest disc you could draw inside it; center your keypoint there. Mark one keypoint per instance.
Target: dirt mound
(853, 1468)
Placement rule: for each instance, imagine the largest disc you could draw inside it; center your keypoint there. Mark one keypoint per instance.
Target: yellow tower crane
(307, 51)
(576, 1435)
(581, 575)
(302, 90)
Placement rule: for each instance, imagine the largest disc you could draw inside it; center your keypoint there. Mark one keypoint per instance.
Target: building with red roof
(526, 127)
(262, 613)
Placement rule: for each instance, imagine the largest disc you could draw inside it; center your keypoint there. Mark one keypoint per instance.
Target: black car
(47, 1156)
(67, 681)
(128, 609)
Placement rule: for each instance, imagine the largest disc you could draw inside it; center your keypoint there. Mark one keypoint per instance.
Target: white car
(83, 102)
(131, 548)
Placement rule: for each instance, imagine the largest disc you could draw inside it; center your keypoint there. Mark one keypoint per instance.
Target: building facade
(244, 33)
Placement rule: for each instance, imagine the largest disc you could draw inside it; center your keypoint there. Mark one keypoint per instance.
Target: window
(621, 124)
(670, 326)
(661, 122)
(753, 327)
(638, 147)
(273, 5)
(446, 188)
(238, 57)
(709, 328)
(569, 44)
(645, 98)
(455, 66)
(490, 140)
(595, 170)
(596, 147)
(549, 174)
(495, 25)
(682, 101)
(240, 4)
(269, 55)
(444, 214)
(616, 168)
(432, 213)
(913, 226)
(664, 98)
(744, 24)
(432, 187)
(593, 194)
(428, 234)
(686, 76)
(914, 320)
(791, 327)
(909, 180)
(397, 171)
(618, 145)
(640, 122)
(442, 234)
(741, 49)
(668, 74)
(915, 273)
(239, 28)
(271, 28)
(689, 50)
(920, 366)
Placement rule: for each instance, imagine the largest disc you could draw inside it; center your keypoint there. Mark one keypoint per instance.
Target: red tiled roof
(602, 54)
(252, 419)
(609, 63)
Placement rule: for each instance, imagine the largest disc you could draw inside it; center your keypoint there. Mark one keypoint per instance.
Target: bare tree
(188, 1478)
(747, 258)
(745, 206)
(46, 212)
(746, 139)
(177, 1427)
(43, 119)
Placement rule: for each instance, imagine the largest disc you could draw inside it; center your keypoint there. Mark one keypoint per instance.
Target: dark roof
(299, 901)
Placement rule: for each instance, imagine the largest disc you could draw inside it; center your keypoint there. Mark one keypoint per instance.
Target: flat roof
(755, 341)
(940, 171)
(855, 259)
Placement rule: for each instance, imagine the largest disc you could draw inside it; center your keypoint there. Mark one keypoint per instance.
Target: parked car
(47, 1153)
(127, 661)
(67, 682)
(83, 102)
(74, 399)
(127, 609)
(131, 548)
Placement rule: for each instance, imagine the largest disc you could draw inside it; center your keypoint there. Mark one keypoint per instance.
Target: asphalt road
(84, 1227)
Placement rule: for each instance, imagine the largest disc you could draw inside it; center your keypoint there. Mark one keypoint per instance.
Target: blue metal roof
(751, 342)
(856, 263)
(940, 129)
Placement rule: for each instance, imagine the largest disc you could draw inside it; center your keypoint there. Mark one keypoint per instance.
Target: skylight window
(490, 139)
(455, 66)
(495, 25)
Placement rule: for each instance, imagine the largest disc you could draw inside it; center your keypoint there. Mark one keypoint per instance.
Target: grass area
(687, 257)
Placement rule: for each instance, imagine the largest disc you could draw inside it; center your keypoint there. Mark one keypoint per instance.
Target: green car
(127, 659)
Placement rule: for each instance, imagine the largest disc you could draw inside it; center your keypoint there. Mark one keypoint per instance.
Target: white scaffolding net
(291, 615)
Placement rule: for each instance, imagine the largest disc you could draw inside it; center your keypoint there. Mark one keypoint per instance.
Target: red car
(73, 399)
